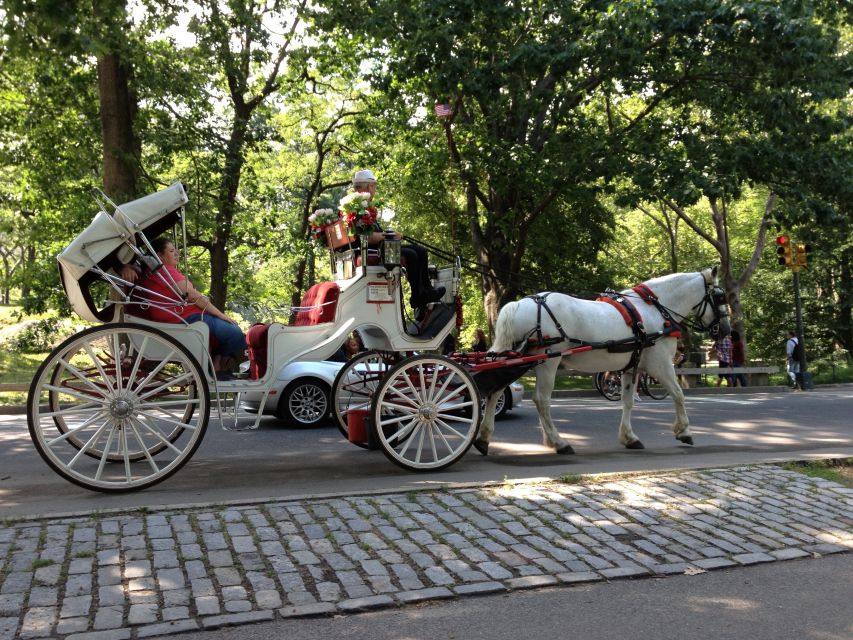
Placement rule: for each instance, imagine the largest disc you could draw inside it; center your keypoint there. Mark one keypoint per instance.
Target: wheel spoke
(116, 349)
(449, 428)
(432, 442)
(71, 432)
(165, 385)
(423, 430)
(152, 416)
(136, 363)
(72, 409)
(90, 443)
(158, 435)
(104, 455)
(154, 371)
(79, 374)
(445, 384)
(122, 441)
(401, 433)
(168, 403)
(71, 392)
(144, 448)
(415, 428)
(88, 348)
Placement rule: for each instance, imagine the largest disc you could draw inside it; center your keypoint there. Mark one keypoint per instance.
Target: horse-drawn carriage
(124, 404)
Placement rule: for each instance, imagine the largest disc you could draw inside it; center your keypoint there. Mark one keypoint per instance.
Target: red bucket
(358, 425)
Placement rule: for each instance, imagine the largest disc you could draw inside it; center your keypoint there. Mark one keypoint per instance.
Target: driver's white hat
(365, 175)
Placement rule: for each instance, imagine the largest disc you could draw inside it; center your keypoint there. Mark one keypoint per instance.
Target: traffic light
(784, 251)
(802, 251)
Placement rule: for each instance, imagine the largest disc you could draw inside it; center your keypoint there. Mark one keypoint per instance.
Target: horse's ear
(714, 272)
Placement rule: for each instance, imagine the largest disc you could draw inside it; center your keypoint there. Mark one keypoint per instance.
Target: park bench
(757, 376)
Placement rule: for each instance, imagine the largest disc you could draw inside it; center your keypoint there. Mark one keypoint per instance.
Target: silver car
(301, 394)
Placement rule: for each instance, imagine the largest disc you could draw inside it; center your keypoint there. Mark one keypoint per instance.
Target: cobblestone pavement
(151, 573)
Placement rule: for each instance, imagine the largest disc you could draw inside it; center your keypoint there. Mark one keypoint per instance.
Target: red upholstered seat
(319, 304)
(256, 340)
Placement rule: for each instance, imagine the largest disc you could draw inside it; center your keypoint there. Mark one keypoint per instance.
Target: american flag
(443, 110)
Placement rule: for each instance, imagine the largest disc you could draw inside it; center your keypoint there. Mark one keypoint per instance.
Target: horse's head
(712, 313)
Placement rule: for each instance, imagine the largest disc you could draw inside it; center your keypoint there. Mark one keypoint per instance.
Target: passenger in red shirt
(167, 306)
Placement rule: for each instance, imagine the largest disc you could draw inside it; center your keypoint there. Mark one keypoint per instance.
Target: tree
(550, 100)
(248, 61)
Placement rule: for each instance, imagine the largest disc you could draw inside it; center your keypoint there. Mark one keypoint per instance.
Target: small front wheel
(356, 383)
(426, 413)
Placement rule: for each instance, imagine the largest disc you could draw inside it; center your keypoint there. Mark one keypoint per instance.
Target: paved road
(285, 462)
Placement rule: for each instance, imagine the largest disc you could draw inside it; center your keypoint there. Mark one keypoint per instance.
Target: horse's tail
(505, 327)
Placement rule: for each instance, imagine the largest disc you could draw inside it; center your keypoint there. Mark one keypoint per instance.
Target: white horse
(564, 322)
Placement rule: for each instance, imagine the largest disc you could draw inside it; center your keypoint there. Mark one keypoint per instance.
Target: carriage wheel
(355, 384)
(111, 408)
(62, 378)
(653, 388)
(426, 413)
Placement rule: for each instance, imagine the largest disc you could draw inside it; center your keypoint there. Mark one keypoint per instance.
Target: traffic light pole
(803, 381)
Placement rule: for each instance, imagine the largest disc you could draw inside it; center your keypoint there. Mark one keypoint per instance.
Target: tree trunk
(845, 295)
(228, 187)
(118, 109)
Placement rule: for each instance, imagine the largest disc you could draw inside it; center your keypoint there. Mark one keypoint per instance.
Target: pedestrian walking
(738, 358)
(792, 355)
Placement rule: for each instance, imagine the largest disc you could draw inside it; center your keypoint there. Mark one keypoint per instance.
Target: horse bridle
(715, 298)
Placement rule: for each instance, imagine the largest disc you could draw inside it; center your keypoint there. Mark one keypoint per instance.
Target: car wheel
(503, 405)
(304, 403)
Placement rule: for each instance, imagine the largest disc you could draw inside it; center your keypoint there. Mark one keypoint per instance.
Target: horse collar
(646, 294)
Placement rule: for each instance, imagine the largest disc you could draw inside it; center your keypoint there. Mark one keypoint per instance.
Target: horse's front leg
(546, 373)
(667, 377)
(487, 424)
(627, 437)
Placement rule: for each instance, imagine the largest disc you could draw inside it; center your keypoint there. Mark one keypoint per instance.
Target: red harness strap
(619, 307)
(649, 297)
(645, 293)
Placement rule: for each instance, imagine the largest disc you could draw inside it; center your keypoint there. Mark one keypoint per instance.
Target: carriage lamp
(391, 250)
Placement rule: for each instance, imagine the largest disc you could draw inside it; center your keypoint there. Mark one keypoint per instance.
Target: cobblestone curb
(147, 574)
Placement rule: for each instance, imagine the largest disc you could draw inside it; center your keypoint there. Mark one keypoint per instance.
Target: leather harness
(626, 309)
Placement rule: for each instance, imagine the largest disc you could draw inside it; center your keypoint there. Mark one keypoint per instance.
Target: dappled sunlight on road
(713, 604)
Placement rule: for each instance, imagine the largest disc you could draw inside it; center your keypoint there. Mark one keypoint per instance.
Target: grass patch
(19, 368)
(38, 564)
(561, 382)
(84, 554)
(840, 471)
(571, 478)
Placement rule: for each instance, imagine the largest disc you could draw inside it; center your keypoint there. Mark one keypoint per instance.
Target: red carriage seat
(256, 340)
(319, 304)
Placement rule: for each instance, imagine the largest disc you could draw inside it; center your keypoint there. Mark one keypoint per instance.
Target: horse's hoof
(636, 444)
(685, 439)
(482, 446)
(565, 450)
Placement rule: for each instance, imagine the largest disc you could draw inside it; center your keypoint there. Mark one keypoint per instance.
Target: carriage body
(125, 403)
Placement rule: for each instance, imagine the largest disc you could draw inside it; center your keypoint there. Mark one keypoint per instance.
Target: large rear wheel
(118, 407)
(426, 413)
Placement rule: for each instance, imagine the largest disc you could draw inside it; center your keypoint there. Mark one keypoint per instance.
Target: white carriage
(124, 404)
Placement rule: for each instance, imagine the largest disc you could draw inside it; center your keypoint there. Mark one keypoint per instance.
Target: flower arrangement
(359, 211)
(321, 219)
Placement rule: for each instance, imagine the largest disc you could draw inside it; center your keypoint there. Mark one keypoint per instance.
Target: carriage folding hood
(109, 240)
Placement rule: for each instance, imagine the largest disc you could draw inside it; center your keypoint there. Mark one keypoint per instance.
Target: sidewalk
(148, 572)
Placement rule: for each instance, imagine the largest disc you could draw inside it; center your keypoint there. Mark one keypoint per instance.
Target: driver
(413, 257)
